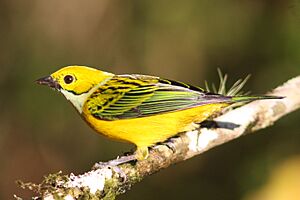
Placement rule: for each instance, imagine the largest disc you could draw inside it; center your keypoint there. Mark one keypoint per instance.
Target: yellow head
(76, 82)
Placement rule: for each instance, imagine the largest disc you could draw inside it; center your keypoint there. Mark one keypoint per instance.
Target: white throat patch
(76, 100)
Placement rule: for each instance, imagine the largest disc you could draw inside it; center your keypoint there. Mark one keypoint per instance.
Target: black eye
(68, 79)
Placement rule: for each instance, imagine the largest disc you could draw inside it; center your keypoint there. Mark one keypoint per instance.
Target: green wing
(132, 96)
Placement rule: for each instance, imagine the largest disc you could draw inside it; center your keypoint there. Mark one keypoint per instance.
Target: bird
(139, 109)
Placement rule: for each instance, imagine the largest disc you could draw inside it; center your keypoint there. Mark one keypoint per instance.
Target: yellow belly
(146, 131)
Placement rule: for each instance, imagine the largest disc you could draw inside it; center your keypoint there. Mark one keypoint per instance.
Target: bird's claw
(115, 168)
(170, 144)
(113, 164)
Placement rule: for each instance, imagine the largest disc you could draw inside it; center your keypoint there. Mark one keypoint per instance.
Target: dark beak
(48, 80)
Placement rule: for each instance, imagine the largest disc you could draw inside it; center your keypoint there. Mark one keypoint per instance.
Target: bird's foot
(169, 143)
(113, 164)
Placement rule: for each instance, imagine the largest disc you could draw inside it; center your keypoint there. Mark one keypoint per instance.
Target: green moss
(50, 184)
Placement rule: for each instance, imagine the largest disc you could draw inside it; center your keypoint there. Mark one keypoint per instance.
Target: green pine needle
(235, 89)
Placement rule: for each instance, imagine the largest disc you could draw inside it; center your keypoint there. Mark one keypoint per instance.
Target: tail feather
(253, 98)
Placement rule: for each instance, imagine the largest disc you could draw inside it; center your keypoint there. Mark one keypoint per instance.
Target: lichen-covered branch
(107, 183)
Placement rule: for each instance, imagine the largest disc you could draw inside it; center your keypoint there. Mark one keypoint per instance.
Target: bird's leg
(115, 162)
(141, 153)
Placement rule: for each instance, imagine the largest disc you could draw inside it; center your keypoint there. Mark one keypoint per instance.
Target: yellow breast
(146, 131)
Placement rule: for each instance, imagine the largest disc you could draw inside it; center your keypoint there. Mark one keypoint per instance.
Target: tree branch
(106, 183)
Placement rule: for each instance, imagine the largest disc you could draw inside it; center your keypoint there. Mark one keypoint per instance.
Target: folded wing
(132, 96)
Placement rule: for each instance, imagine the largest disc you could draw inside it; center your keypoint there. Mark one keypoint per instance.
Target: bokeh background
(40, 133)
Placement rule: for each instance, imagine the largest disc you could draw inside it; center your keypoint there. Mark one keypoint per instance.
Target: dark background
(40, 132)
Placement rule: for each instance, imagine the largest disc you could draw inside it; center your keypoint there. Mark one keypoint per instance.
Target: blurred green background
(183, 40)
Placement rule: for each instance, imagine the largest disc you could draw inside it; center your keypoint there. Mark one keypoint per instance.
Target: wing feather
(132, 96)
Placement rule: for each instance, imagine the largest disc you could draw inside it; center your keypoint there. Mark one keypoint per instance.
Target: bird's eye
(68, 79)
